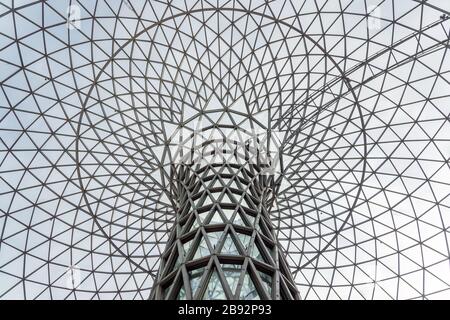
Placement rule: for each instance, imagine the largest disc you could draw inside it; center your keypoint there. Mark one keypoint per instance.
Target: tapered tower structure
(223, 245)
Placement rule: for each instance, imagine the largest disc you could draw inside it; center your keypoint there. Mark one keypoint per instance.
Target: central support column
(223, 245)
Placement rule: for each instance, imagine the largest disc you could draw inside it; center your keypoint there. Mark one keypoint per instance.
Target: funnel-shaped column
(223, 245)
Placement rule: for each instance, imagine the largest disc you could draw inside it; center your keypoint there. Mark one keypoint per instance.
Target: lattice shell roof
(91, 91)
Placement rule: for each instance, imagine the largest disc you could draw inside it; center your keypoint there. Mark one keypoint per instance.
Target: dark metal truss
(92, 92)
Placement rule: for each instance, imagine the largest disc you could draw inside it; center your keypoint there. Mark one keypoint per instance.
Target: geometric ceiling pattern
(91, 92)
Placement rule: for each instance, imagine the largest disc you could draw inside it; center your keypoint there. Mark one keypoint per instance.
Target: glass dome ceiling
(92, 91)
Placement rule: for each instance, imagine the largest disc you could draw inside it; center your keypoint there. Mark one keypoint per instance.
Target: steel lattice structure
(223, 246)
(93, 95)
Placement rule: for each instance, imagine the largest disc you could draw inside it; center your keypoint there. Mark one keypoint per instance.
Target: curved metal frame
(93, 93)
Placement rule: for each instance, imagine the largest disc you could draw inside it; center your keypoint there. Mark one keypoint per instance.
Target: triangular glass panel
(208, 200)
(216, 218)
(213, 104)
(226, 198)
(214, 237)
(215, 196)
(202, 216)
(232, 273)
(229, 247)
(233, 184)
(186, 247)
(245, 239)
(194, 225)
(177, 262)
(248, 290)
(238, 220)
(194, 278)
(250, 218)
(202, 250)
(256, 254)
(228, 213)
(267, 281)
(216, 183)
(214, 290)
